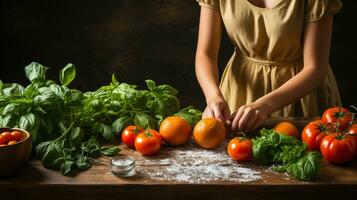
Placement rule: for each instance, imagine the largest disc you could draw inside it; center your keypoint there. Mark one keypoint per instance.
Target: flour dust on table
(190, 164)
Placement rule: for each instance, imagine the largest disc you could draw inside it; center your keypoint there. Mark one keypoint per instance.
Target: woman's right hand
(217, 108)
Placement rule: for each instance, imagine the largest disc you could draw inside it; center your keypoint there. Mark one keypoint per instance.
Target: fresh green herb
(67, 124)
(289, 153)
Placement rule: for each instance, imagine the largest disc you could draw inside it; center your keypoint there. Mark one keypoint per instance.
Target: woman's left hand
(249, 117)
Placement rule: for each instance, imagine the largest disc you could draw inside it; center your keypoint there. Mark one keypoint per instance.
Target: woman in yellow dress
(280, 65)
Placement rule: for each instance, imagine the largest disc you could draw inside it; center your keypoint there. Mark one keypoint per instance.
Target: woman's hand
(217, 108)
(249, 117)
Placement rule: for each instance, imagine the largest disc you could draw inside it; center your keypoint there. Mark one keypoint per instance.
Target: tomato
(175, 130)
(16, 135)
(129, 134)
(209, 133)
(337, 116)
(287, 128)
(353, 130)
(313, 134)
(337, 148)
(7, 137)
(2, 140)
(148, 143)
(240, 149)
(12, 142)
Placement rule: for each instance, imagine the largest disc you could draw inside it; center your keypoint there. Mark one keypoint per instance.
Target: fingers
(207, 113)
(248, 113)
(247, 119)
(251, 121)
(218, 114)
(236, 119)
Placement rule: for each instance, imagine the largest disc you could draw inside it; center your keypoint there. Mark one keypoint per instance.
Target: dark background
(136, 40)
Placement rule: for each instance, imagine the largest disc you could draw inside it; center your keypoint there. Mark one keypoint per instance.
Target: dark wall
(136, 39)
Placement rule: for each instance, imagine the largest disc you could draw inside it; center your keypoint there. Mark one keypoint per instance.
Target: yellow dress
(268, 52)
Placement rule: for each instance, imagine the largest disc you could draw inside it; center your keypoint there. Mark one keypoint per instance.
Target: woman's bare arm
(209, 39)
(317, 39)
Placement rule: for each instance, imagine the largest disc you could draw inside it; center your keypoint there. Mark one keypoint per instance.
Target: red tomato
(2, 140)
(240, 149)
(148, 143)
(337, 148)
(353, 130)
(313, 134)
(337, 115)
(129, 134)
(7, 137)
(16, 135)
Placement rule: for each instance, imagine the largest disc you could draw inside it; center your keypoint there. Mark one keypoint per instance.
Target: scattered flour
(195, 165)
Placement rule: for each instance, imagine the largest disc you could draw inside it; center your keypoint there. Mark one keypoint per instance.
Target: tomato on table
(337, 115)
(287, 128)
(148, 143)
(175, 130)
(313, 134)
(130, 133)
(338, 148)
(240, 149)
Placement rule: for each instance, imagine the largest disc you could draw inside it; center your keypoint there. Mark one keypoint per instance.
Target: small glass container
(123, 166)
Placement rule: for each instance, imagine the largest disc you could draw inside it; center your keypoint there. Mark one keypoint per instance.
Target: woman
(280, 66)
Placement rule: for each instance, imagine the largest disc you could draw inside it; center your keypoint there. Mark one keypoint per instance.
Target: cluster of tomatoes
(10, 138)
(174, 131)
(335, 135)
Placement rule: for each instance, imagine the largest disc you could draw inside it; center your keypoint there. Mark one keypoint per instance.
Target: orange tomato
(240, 149)
(287, 128)
(175, 130)
(209, 133)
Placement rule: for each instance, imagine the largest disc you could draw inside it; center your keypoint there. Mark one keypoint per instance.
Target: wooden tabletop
(156, 178)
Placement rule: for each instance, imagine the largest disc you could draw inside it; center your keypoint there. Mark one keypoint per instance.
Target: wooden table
(36, 182)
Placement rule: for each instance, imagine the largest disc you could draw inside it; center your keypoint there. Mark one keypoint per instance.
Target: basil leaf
(35, 72)
(13, 89)
(190, 114)
(107, 132)
(66, 167)
(150, 85)
(145, 121)
(42, 148)
(120, 123)
(83, 163)
(307, 167)
(109, 151)
(67, 74)
(167, 89)
(27, 121)
(76, 137)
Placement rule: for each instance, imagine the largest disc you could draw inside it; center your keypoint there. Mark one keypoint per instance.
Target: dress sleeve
(316, 10)
(214, 4)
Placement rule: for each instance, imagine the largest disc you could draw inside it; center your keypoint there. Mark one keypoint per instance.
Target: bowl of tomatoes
(15, 150)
